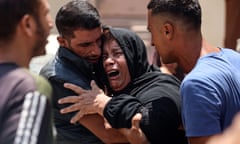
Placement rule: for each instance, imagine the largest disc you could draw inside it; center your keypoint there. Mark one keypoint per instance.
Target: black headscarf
(136, 56)
(133, 49)
(143, 75)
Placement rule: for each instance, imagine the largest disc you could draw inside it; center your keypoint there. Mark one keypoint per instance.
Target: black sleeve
(159, 106)
(120, 110)
(160, 121)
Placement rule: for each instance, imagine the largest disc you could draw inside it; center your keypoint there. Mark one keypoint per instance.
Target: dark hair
(107, 36)
(75, 15)
(189, 11)
(11, 12)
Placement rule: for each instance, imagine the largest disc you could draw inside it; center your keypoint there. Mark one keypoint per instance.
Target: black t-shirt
(25, 111)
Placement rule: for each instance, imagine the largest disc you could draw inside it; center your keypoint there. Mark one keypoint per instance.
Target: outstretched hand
(135, 134)
(86, 102)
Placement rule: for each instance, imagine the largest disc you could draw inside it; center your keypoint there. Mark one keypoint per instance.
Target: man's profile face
(86, 44)
(161, 41)
(44, 24)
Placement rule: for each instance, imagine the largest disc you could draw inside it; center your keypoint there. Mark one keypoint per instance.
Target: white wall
(213, 21)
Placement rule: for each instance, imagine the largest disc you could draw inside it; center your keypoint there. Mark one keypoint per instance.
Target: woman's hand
(135, 134)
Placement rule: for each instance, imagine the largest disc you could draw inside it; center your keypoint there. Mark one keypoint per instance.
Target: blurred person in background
(232, 23)
(25, 109)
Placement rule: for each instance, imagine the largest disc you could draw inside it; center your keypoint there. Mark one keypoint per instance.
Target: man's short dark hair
(77, 14)
(188, 11)
(11, 12)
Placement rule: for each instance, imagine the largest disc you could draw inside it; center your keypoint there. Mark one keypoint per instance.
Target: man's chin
(92, 60)
(39, 53)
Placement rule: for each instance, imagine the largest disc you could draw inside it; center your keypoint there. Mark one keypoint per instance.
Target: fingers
(72, 108)
(136, 121)
(106, 124)
(75, 88)
(135, 129)
(94, 86)
(70, 99)
(135, 134)
(77, 117)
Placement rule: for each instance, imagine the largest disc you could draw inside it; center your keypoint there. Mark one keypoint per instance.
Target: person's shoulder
(21, 80)
(42, 84)
(195, 78)
(31, 81)
(231, 54)
(49, 69)
(20, 74)
(168, 78)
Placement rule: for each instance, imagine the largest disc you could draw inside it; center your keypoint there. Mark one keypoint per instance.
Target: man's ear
(28, 25)
(168, 30)
(62, 41)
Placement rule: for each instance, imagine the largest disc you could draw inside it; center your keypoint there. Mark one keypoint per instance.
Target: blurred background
(132, 14)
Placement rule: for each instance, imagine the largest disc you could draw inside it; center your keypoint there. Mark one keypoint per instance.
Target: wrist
(103, 104)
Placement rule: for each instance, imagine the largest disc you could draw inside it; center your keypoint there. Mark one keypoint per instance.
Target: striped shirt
(25, 112)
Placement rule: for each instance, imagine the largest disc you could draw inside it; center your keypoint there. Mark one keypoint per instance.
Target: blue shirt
(211, 93)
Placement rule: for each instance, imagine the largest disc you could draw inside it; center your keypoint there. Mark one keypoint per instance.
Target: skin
(27, 38)
(114, 60)
(93, 101)
(44, 25)
(230, 135)
(170, 41)
(177, 42)
(169, 68)
(85, 43)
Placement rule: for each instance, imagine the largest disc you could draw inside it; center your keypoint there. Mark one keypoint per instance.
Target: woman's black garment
(150, 92)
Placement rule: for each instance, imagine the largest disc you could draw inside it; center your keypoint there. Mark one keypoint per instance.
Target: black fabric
(154, 94)
(134, 51)
(66, 66)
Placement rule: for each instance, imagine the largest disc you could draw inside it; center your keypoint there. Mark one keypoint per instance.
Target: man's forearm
(95, 123)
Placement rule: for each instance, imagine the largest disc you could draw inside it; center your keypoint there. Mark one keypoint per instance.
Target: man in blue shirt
(210, 91)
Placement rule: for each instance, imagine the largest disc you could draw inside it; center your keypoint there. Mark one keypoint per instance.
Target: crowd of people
(100, 87)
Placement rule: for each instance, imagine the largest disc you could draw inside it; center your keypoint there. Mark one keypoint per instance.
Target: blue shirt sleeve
(201, 107)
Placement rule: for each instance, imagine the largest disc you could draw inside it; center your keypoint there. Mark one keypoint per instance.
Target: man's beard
(41, 34)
